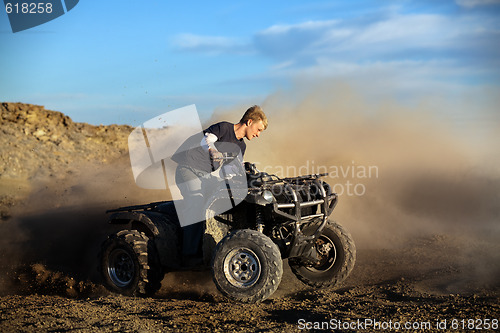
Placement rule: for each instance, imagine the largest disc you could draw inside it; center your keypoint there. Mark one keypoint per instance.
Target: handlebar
(225, 159)
(228, 156)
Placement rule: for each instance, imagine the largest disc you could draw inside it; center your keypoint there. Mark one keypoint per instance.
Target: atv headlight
(268, 196)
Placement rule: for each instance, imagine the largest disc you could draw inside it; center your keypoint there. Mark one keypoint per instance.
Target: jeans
(192, 213)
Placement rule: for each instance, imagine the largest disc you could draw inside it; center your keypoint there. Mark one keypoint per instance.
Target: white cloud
(476, 3)
(397, 34)
(399, 75)
(409, 50)
(282, 65)
(309, 25)
(210, 44)
(408, 29)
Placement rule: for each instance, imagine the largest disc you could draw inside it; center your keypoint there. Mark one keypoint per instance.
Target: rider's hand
(215, 155)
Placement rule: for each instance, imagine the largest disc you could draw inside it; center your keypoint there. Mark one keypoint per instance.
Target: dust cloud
(405, 174)
(399, 170)
(52, 243)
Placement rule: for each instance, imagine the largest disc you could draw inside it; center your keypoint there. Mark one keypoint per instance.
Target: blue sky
(128, 61)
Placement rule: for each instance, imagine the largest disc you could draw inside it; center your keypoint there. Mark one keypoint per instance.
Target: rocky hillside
(36, 143)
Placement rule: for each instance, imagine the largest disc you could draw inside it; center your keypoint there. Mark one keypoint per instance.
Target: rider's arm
(208, 144)
(208, 141)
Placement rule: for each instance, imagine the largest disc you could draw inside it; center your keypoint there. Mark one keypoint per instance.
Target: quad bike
(279, 218)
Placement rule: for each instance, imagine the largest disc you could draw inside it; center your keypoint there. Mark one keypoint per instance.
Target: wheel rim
(242, 267)
(327, 252)
(121, 267)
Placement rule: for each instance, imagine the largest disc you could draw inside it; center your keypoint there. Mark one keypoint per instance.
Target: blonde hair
(255, 113)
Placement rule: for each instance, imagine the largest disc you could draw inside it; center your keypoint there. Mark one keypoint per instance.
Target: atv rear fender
(150, 218)
(160, 224)
(136, 220)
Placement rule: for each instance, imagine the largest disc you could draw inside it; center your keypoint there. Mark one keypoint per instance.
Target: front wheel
(337, 255)
(247, 266)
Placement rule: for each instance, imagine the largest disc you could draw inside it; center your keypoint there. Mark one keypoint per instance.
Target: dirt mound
(57, 179)
(36, 143)
(38, 279)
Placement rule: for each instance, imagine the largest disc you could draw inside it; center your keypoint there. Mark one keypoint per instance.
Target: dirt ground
(414, 285)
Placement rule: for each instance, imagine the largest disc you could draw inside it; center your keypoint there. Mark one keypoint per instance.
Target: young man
(195, 163)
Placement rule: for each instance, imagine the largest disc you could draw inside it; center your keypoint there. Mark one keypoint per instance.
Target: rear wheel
(247, 266)
(337, 255)
(130, 264)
